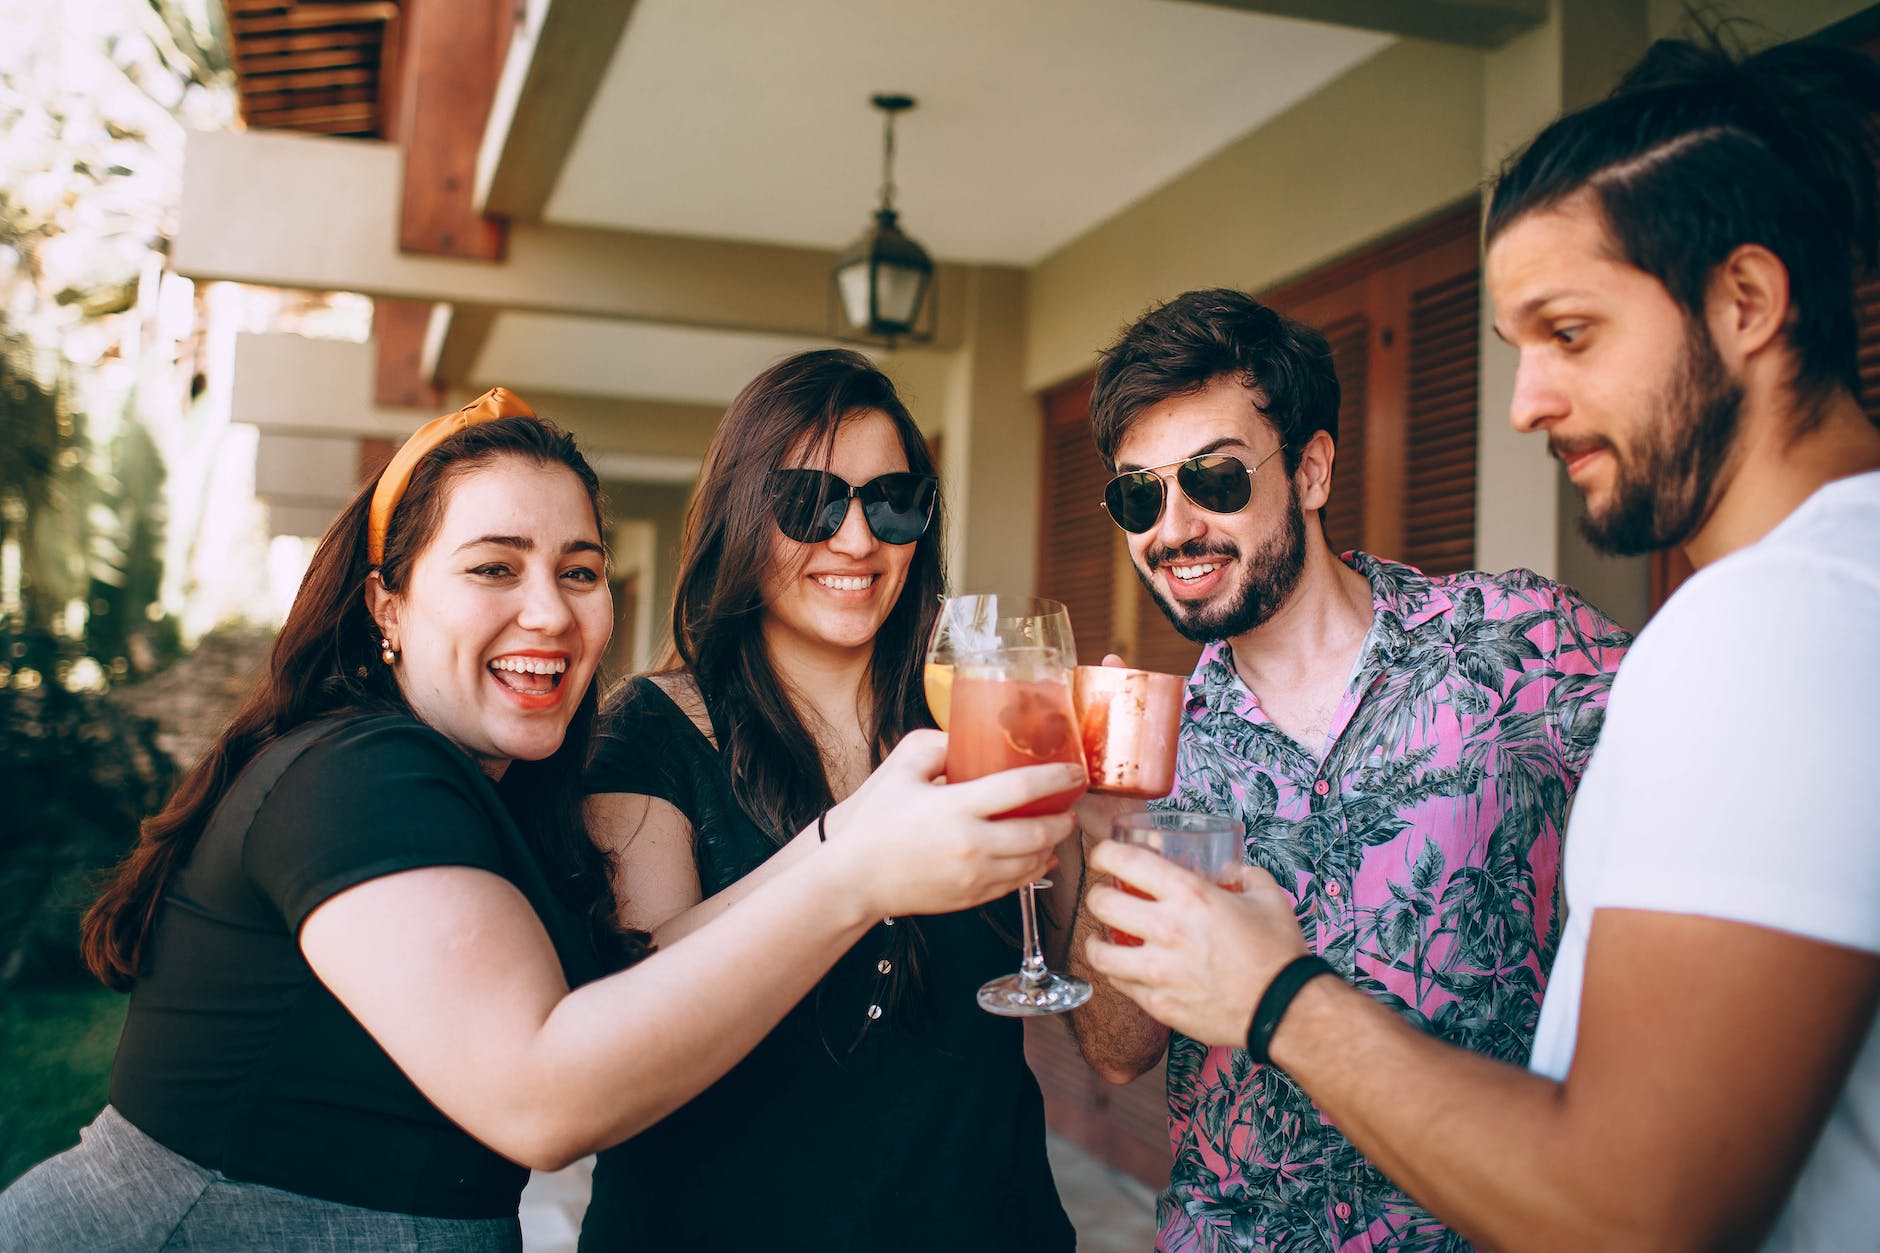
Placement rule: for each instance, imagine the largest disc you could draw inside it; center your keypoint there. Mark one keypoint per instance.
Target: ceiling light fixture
(881, 282)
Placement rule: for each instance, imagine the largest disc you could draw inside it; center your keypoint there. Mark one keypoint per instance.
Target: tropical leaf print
(1424, 870)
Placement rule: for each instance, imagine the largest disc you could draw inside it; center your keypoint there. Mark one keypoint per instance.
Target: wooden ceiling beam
(302, 117)
(306, 80)
(288, 63)
(281, 101)
(306, 16)
(268, 45)
(453, 54)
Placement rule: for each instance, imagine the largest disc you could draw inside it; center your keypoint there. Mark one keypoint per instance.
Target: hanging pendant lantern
(881, 282)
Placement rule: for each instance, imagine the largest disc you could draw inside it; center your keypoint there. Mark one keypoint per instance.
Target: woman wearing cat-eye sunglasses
(809, 580)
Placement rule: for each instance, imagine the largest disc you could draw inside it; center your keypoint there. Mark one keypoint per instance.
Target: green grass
(56, 1047)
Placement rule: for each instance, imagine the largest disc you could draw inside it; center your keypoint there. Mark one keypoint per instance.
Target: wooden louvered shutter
(1077, 541)
(1439, 454)
(1401, 318)
(1343, 515)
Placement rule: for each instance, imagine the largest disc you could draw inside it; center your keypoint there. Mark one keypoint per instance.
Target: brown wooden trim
(280, 82)
(299, 116)
(307, 16)
(1461, 221)
(364, 37)
(391, 77)
(373, 456)
(398, 328)
(259, 72)
(453, 55)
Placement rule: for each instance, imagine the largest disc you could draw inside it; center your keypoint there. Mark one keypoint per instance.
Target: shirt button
(1343, 1211)
(1334, 891)
(884, 966)
(874, 1011)
(1321, 787)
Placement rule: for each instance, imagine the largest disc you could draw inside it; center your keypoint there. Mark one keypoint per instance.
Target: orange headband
(491, 405)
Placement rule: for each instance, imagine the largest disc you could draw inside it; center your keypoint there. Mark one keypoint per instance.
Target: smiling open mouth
(531, 676)
(846, 583)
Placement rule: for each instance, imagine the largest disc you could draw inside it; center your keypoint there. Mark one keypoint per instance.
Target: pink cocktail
(1013, 709)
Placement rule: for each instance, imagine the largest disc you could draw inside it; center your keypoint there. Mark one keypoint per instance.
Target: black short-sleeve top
(236, 1056)
(860, 1122)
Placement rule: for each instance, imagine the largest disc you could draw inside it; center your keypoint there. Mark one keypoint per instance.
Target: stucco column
(989, 447)
(1526, 510)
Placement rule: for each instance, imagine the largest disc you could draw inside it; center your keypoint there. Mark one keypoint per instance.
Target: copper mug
(1129, 720)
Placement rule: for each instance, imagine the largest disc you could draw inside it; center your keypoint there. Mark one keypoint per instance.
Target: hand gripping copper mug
(1129, 720)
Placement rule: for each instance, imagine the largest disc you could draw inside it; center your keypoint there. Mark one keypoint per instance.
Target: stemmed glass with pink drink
(998, 678)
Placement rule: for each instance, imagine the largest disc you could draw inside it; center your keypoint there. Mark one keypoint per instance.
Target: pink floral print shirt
(1423, 853)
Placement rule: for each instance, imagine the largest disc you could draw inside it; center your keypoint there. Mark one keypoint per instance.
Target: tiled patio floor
(1112, 1212)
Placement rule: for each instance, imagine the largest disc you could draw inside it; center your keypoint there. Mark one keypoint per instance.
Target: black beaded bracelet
(1278, 998)
(822, 832)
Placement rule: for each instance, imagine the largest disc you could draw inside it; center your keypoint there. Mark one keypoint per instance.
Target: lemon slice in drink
(938, 681)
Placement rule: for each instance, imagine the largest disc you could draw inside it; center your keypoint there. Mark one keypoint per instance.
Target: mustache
(1563, 449)
(1192, 551)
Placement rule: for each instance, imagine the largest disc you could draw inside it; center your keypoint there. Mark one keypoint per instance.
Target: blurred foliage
(95, 96)
(79, 774)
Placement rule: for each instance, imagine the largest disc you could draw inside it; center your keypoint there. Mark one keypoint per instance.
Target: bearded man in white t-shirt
(1675, 265)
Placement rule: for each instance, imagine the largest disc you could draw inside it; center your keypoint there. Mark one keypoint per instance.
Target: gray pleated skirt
(119, 1190)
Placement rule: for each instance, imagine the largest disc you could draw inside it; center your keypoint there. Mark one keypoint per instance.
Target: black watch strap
(1278, 998)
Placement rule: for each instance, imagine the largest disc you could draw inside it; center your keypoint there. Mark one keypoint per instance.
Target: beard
(1665, 490)
(1266, 582)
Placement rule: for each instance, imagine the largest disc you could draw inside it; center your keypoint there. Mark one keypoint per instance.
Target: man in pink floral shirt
(1400, 748)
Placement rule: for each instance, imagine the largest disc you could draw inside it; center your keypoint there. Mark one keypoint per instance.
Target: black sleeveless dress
(861, 1122)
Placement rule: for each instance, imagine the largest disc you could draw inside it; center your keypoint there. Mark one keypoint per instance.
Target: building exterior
(623, 210)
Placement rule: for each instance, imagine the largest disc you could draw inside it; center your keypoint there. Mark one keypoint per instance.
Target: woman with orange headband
(351, 937)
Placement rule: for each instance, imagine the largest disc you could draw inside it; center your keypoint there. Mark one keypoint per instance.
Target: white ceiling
(648, 361)
(1037, 119)
(644, 360)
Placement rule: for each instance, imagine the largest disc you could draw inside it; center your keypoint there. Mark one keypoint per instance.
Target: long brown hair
(776, 769)
(777, 772)
(325, 661)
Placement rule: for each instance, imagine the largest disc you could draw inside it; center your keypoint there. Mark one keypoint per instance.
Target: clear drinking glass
(1208, 844)
(1000, 668)
(983, 623)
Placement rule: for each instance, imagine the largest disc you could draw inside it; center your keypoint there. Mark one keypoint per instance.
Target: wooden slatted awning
(315, 65)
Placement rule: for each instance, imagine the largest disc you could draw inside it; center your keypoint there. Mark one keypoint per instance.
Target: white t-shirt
(1738, 777)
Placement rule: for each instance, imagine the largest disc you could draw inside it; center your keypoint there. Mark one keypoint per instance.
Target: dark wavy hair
(1180, 347)
(776, 769)
(325, 661)
(1699, 151)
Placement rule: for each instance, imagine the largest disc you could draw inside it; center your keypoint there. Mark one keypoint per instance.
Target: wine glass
(973, 624)
(1001, 671)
